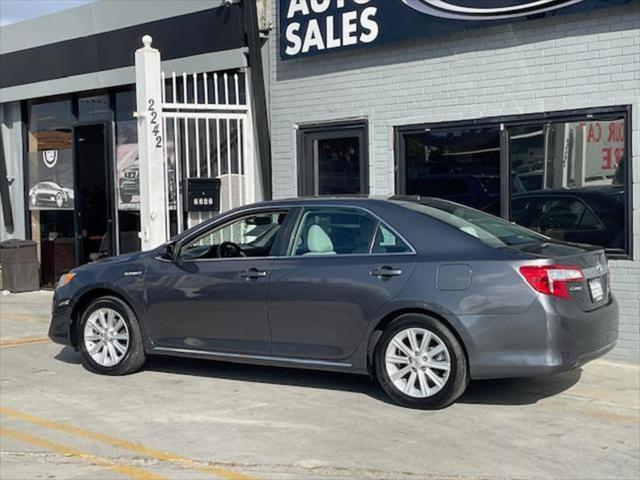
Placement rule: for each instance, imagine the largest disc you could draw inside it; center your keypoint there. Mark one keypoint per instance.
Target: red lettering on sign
(606, 158)
(616, 132)
(595, 133)
(619, 154)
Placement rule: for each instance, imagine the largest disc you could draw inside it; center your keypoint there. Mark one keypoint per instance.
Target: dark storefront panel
(568, 177)
(211, 30)
(462, 165)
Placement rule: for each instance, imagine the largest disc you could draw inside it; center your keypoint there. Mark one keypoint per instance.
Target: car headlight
(65, 279)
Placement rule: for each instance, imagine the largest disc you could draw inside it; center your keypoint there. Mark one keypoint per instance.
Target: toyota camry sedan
(422, 294)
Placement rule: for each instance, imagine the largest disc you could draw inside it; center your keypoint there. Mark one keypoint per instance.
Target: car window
(386, 241)
(249, 236)
(489, 229)
(334, 231)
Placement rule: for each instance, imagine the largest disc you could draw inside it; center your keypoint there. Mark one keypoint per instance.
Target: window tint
(388, 242)
(489, 229)
(334, 231)
(583, 158)
(459, 164)
(250, 236)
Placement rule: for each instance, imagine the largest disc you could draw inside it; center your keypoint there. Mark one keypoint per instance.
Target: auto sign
(312, 27)
(490, 10)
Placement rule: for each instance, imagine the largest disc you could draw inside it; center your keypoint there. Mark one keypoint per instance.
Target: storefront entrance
(94, 204)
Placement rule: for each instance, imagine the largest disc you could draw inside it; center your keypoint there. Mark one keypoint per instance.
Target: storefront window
(51, 188)
(568, 180)
(127, 171)
(94, 107)
(567, 173)
(462, 165)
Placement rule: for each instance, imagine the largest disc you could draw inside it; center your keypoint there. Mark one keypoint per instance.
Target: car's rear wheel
(110, 339)
(420, 363)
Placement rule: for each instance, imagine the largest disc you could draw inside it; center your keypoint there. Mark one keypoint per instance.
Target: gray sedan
(423, 295)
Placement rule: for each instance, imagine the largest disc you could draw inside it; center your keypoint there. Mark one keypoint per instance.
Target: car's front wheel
(420, 363)
(110, 339)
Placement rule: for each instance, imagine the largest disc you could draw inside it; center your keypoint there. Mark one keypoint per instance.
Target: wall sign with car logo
(51, 180)
(309, 27)
(50, 158)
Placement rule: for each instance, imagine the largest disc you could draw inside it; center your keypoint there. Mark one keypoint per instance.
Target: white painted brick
(566, 62)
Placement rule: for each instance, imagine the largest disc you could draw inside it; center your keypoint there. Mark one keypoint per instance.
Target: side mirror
(168, 252)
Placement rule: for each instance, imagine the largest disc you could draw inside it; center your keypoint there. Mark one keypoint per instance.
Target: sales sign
(310, 27)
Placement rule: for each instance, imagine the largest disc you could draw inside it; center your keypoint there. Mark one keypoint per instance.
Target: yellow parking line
(24, 341)
(133, 472)
(127, 445)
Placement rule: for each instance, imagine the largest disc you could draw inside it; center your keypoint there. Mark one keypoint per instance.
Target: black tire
(125, 198)
(458, 378)
(134, 358)
(59, 200)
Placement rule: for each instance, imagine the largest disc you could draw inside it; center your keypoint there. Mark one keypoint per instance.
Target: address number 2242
(155, 123)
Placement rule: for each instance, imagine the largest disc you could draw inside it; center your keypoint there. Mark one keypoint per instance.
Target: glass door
(333, 160)
(94, 202)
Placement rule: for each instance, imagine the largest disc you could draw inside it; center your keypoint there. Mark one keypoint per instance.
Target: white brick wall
(561, 63)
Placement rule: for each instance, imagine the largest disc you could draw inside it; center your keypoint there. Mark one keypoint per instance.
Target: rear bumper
(541, 342)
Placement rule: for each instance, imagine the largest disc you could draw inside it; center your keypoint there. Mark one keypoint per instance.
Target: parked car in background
(593, 215)
(46, 194)
(423, 295)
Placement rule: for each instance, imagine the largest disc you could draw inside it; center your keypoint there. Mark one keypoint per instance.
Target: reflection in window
(94, 107)
(462, 165)
(338, 164)
(568, 180)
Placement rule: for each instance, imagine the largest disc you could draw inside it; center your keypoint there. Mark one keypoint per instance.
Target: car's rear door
(343, 265)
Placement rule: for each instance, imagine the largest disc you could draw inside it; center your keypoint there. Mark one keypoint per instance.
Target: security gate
(190, 126)
(207, 135)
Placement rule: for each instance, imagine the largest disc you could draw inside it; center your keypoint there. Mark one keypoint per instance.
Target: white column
(153, 231)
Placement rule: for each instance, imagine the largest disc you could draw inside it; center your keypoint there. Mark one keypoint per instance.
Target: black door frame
(107, 129)
(307, 165)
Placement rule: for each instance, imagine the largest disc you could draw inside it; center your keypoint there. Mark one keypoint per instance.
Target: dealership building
(527, 110)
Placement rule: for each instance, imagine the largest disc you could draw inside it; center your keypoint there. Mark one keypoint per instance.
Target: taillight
(552, 279)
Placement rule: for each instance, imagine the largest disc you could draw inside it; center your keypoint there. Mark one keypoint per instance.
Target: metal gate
(208, 134)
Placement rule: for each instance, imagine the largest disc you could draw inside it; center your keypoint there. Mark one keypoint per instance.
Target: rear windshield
(490, 230)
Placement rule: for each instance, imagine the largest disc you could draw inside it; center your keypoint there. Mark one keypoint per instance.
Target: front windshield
(489, 229)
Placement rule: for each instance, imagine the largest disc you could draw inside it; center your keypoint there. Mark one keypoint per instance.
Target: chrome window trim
(211, 353)
(224, 220)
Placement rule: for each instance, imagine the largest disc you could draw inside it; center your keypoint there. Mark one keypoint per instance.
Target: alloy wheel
(106, 337)
(417, 362)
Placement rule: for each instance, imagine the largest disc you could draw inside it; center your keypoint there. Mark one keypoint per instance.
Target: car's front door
(213, 295)
(343, 265)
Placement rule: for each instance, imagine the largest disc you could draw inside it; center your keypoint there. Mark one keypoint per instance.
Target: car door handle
(253, 273)
(385, 272)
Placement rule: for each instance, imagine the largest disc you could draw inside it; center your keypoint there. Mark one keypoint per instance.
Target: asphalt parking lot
(198, 419)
